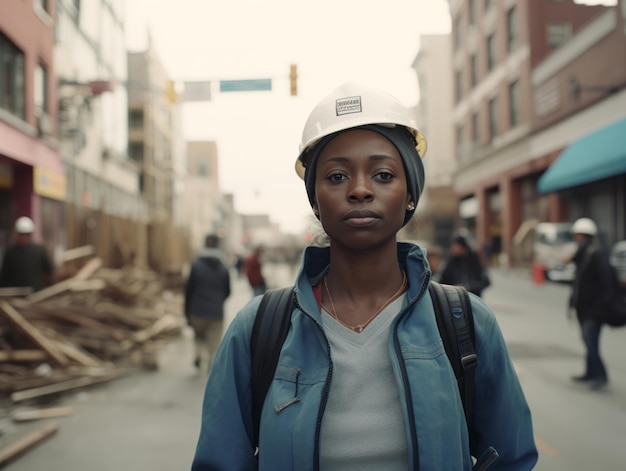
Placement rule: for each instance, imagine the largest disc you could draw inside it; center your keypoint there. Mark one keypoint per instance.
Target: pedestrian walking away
(206, 290)
(363, 380)
(26, 263)
(464, 267)
(254, 271)
(591, 294)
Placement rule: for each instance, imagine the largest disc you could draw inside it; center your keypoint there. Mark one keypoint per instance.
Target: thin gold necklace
(360, 327)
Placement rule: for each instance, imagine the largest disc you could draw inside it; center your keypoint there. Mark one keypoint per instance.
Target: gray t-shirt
(363, 426)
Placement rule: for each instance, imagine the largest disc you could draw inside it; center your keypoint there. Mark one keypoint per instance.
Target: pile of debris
(93, 325)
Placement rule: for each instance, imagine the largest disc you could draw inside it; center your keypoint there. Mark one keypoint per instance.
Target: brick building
(496, 47)
(32, 176)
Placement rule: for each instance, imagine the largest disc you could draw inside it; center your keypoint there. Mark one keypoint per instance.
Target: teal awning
(596, 156)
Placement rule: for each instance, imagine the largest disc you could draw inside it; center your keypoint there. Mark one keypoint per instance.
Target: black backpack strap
(455, 321)
(271, 325)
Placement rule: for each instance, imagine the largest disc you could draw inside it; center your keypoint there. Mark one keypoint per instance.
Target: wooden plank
(16, 291)
(77, 354)
(164, 323)
(58, 288)
(87, 285)
(24, 415)
(89, 269)
(48, 292)
(56, 388)
(32, 332)
(92, 324)
(78, 252)
(13, 450)
(22, 355)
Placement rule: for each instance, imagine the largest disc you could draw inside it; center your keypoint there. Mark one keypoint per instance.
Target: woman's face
(360, 189)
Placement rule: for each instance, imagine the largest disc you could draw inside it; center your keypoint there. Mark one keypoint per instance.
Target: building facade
(496, 45)
(32, 176)
(203, 201)
(152, 141)
(579, 124)
(90, 55)
(435, 217)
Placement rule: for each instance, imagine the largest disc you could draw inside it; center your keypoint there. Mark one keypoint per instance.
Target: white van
(553, 246)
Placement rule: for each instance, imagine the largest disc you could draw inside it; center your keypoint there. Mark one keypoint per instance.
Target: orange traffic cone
(539, 274)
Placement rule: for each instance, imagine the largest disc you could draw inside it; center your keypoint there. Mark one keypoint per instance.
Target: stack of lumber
(92, 326)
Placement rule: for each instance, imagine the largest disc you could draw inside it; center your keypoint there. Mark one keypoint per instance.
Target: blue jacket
(435, 423)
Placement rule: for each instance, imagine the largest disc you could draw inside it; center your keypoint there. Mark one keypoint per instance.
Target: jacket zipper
(405, 380)
(325, 393)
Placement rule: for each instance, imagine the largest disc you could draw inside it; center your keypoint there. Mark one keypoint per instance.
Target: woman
(363, 381)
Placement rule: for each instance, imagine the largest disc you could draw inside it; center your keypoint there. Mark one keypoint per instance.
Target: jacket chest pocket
(290, 412)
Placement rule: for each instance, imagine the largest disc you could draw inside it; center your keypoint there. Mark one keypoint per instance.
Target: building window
(488, 4)
(491, 52)
(11, 78)
(473, 70)
(458, 85)
(40, 98)
(135, 151)
(493, 119)
(41, 89)
(135, 119)
(203, 166)
(558, 34)
(457, 33)
(511, 24)
(514, 104)
(475, 129)
(472, 12)
(460, 143)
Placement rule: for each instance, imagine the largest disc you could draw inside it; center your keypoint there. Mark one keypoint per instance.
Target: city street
(150, 421)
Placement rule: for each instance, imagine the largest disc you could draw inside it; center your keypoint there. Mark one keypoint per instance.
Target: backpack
(453, 312)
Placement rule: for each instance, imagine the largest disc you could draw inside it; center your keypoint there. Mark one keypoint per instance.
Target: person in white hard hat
(591, 292)
(26, 263)
(363, 381)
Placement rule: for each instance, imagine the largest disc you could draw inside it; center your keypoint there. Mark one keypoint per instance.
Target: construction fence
(159, 245)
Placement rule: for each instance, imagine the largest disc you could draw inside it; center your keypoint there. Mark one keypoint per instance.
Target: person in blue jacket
(363, 381)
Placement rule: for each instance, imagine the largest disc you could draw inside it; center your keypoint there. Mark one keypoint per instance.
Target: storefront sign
(49, 183)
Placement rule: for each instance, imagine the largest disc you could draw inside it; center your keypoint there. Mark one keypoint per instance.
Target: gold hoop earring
(410, 206)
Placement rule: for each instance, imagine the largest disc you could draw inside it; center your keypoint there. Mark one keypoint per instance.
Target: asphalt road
(150, 421)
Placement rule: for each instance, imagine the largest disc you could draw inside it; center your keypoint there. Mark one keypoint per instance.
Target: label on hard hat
(351, 104)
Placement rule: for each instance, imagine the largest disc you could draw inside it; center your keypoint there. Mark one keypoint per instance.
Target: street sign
(197, 91)
(252, 85)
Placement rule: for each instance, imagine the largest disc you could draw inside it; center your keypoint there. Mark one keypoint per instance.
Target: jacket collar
(316, 261)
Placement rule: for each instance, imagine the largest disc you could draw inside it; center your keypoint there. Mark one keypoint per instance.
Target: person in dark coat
(25, 263)
(464, 267)
(206, 290)
(591, 293)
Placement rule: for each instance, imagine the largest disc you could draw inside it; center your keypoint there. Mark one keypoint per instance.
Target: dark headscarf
(403, 142)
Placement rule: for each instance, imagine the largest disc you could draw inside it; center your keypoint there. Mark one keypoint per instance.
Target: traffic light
(293, 79)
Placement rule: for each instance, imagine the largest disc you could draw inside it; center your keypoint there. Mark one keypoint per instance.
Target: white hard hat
(24, 225)
(351, 105)
(585, 226)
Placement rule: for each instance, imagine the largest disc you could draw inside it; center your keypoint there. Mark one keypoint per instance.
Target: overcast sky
(258, 133)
